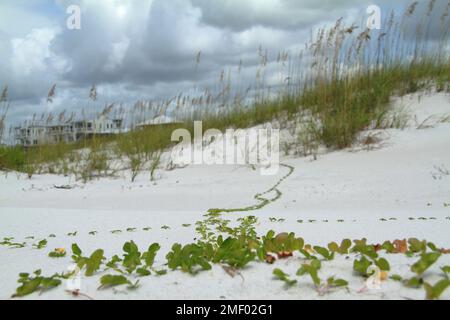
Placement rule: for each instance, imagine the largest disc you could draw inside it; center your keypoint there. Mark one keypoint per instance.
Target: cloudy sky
(146, 49)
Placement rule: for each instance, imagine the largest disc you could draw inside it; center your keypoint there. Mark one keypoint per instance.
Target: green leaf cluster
(8, 242)
(188, 258)
(313, 270)
(31, 284)
(341, 249)
(110, 281)
(425, 262)
(235, 252)
(433, 292)
(91, 264)
(280, 275)
(324, 252)
(336, 283)
(56, 254)
(283, 242)
(40, 245)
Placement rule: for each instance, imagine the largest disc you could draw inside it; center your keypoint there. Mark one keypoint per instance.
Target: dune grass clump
(143, 147)
(12, 158)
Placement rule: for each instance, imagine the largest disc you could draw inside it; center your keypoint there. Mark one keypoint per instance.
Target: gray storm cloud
(281, 14)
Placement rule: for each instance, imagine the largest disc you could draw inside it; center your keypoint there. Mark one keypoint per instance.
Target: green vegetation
(9, 243)
(436, 290)
(425, 262)
(341, 249)
(109, 281)
(12, 158)
(92, 264)
(280, 275)
(312, 269)
(237, 253)
(37, 283)
(40, 245)
(58, 253)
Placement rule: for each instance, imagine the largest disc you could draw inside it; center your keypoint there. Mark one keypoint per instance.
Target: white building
(158, 121)
(35, 134)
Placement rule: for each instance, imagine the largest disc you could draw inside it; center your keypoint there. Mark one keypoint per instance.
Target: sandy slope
(341, 195)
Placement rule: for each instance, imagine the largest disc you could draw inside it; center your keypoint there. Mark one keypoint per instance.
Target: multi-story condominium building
(34, 134)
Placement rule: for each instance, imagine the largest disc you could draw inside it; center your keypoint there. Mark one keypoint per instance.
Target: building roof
(160, 120)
